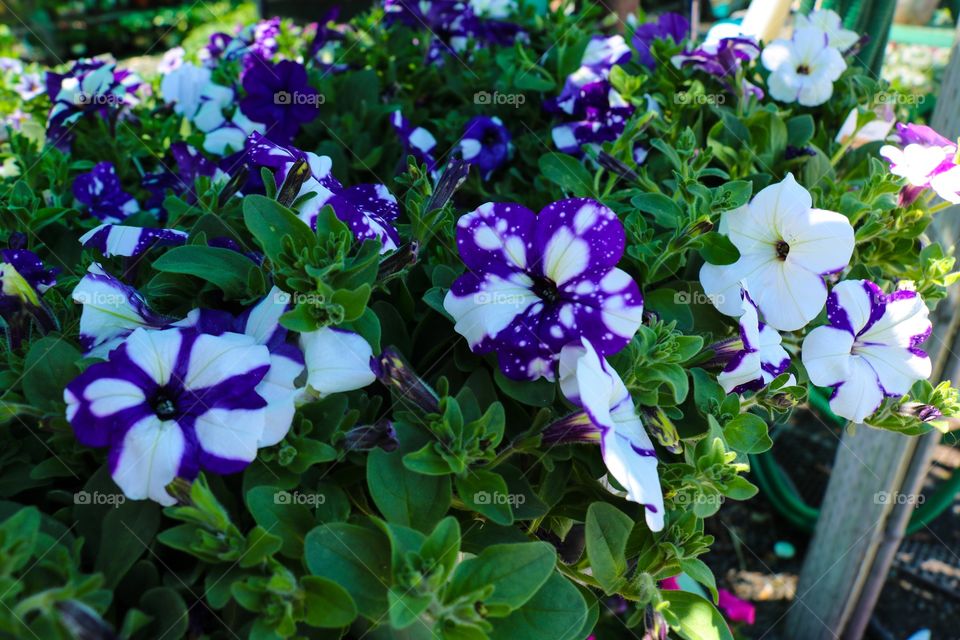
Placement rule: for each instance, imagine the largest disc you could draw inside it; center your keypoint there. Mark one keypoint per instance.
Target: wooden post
(860, 528)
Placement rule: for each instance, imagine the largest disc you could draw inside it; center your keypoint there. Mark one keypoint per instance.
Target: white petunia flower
(870, 348)
(589, 381)
(754, 358)
(829, 22)
(804, 68)
(786, 247)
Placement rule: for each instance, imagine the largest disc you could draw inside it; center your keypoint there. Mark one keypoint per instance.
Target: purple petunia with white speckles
(101, 192)
(119, 240)
(486, 144)
(535, 283)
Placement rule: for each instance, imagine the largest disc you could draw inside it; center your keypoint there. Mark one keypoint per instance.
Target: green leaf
(486, 493)
(800, 130)
(536, 394)
(556, 612)
(328, 605)
(227, 270)
(515, 571)
(567, 172)
(50, 365)
(717, 249)
(747, 433)
(442, 546)
(276, 511)
(693, 618)
(607, 531)
(169, 613)
(128, 531)
(699, 571)
(664, 210)
(356, 558)
(269, 222)
(404, 496)
(732, 195)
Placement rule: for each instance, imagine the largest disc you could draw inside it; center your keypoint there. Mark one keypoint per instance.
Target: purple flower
(90, 86)
(870, 349)
(29, 86)
(279, 96)
(23, 279)
(601, 116)
(101, 192)
(416, 141)
(168, 403)
(537, 282)
(191, 164)
(597, 113)
(368, 209)
(723, 60)
(670, 26)
(118, 240)
(486, 144)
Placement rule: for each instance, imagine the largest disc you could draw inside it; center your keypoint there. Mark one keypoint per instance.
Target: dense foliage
(289, 352)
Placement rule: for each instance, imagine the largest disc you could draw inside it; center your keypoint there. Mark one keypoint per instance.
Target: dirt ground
(922, 591)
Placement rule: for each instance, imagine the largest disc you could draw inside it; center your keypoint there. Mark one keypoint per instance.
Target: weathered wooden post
(859, 530)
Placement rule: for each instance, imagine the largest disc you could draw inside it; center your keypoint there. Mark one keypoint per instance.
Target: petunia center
(782, 249)
(803, 70)
(490, 138)
(164, 406)
(545, 289)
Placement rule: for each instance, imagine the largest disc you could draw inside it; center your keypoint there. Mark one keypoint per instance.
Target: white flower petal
(629, 457)
(148, 460)
(788, 296)
(232, 434)
(897, 368)
(154, 352)
(902, 321)
(336, 360)
(826, 355)
(860, 395)
(215, 359)
(821, 242)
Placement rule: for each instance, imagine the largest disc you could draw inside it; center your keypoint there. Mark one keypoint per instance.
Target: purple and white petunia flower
(416, 141)
(101, 192)
(597, 112)
(786, 248)
(669, 26)
(368, 209)
(262, 323)
(870, 349)
(804, 68)
(119, 240)
(535, 283)
(927, 159)
(486, 144)
(589, 381)
(169, 403)
(89, 86)
(754, 358)
(111, 311)
(828, 22)
(23, 280)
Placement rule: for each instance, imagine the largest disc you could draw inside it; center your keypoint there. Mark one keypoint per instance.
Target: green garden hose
(777, 487)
